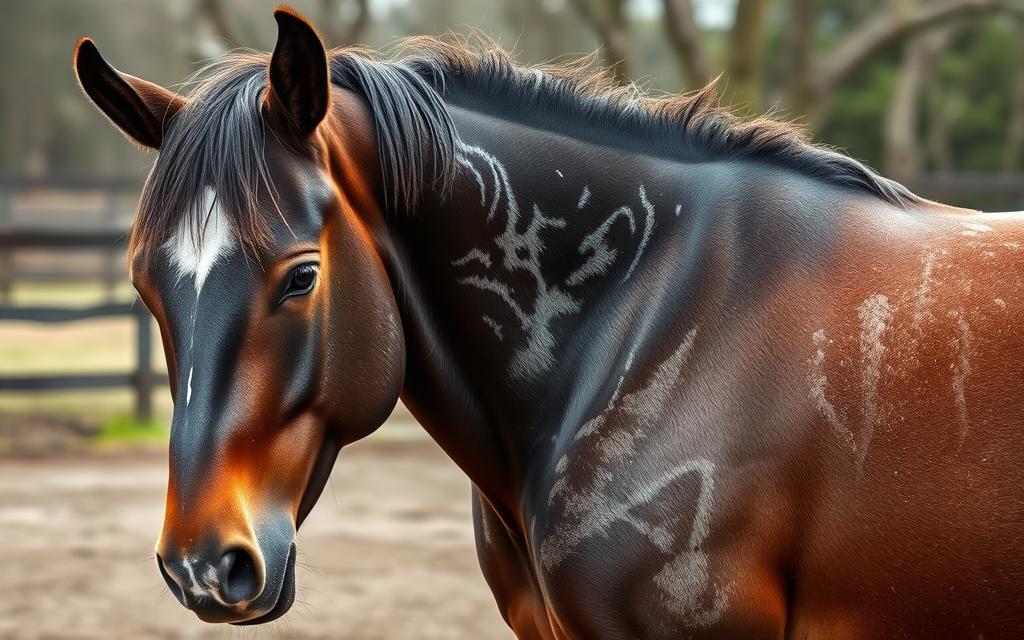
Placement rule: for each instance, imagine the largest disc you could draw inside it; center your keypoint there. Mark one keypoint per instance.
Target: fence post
(6, 267)
(144, 358)
(111, 256)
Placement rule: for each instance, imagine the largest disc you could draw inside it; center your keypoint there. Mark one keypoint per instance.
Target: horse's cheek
(364, 345)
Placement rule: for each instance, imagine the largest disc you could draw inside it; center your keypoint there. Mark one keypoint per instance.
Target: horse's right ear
(140, 109)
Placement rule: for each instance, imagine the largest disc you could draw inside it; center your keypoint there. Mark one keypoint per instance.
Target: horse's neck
(527, 288)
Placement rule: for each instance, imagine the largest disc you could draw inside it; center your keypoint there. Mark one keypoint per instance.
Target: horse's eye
(301, 280)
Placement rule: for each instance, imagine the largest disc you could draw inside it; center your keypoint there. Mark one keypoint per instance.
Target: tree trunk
(902, 124)
(1015, 130)
(891, 24)
(743, 87)
(684, 36)
(800, 54)
(612, 30)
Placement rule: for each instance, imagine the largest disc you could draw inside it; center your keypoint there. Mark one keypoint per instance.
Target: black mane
(217, 140)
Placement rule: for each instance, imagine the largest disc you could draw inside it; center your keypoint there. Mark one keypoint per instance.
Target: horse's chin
(285, 596)
(318, 476)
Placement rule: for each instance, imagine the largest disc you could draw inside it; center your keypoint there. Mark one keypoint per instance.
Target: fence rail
(965, 189)
(142, 379)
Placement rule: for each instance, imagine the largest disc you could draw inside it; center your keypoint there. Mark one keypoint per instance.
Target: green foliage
(856, 122)
(47, 125)
(127, 429)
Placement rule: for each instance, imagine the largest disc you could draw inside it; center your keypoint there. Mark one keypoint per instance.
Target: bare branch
(902, 157)
(611, 31)
(745, 53)
(799, 53)
(342, 33)
(893, 24)
(684, 35)
(1015, 129)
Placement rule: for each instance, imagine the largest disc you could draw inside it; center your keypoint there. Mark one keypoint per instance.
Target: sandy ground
(387, 553)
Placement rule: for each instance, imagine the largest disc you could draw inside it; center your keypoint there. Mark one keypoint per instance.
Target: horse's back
(916, 372)
(841, 459)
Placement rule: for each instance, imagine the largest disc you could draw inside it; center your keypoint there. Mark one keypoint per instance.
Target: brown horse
(708, 379)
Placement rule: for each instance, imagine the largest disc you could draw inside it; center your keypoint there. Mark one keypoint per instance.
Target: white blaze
(195, 254)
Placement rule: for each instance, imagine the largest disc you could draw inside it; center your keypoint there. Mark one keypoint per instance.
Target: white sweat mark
(648, 230)
(494, 325)
(584, 198)
(980, 228)
(973, 229)
(522, 251)
(874, 314)
(601, 254)
(212, 581)
(961, 366)
(473, 255)
(923, 295)
(476, 175)
(612, 490)
(686, 578)
(819, 386)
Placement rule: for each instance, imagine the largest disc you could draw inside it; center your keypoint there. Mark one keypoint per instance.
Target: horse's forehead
(194, 253)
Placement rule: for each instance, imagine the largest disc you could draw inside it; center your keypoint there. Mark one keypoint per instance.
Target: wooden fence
(106, 236)
(39, 235)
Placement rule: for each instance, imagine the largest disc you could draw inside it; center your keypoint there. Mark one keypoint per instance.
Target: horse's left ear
(140, 109)
(299, 80)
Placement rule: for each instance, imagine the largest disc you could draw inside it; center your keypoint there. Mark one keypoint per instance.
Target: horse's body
(759, 394)
(798, 414)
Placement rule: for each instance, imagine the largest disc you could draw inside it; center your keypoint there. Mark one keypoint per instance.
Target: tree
(607, 18)
(814, 76)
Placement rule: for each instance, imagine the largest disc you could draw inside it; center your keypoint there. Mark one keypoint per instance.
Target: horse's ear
(299, 81)
(140, 109)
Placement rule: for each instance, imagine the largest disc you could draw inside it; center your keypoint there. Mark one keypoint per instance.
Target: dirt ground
(387, 553)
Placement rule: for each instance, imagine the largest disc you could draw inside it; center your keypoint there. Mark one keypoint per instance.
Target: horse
(707, 378)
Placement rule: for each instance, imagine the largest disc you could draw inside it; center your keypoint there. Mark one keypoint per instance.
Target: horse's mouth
(285, 597)
(318, 476)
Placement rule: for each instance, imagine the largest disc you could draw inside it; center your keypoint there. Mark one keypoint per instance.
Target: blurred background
(930, 92)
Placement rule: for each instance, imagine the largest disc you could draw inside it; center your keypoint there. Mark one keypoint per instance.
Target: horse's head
(278, 320)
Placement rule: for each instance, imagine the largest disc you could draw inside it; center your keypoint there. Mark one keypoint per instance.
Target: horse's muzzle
(231, 585)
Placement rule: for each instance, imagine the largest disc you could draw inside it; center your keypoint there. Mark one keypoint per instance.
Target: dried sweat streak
(592, 510)
(584, 198)
(874, 314)
(600, 256)
(473, 255)
(819, 385)
(973, 229)
(961, 372)
(613, 490)
(521, 251)
(494, 325)
(648, 230)
(923, 296)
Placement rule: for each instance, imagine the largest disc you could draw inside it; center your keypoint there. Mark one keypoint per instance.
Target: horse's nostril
(171, 584)
(238, 578)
